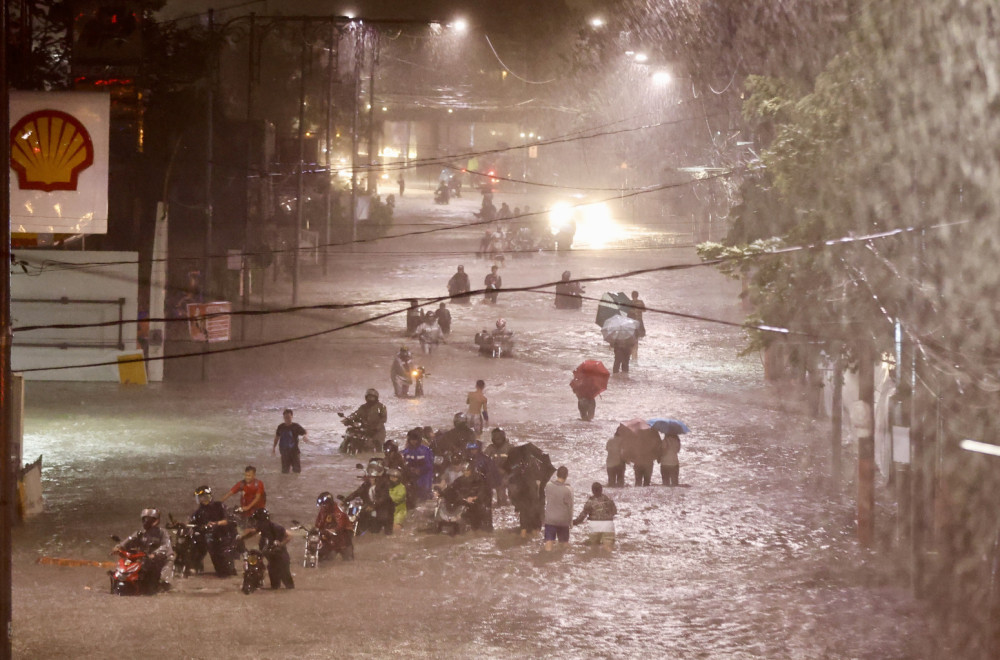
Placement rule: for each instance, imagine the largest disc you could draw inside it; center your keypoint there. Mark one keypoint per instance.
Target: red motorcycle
(125, 576)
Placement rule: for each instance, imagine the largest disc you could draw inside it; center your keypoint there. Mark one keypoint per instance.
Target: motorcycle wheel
(419, 389)
(249, 585)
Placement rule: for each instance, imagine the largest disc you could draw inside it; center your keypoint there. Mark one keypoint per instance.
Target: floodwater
(754, 557)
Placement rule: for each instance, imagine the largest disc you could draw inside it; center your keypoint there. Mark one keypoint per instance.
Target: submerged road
(753, 557)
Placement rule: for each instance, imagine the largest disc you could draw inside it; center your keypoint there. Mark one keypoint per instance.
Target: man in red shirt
(251, 489)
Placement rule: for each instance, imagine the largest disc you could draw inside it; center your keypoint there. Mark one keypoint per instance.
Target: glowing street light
(661, 78)
(460, 25)
(597, 22)
(641, 57)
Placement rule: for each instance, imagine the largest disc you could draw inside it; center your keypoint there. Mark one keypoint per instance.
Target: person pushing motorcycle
(220, 530)
(154, 542)
(373, 492)
(335, 528)
(273, 543)
(372, 416)
(399, 372)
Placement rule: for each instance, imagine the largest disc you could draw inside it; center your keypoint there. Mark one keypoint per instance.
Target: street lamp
(596, 22)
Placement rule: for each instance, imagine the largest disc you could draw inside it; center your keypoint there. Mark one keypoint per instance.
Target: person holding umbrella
(670, 466)
(589, 380)
(669, 447)
(620, 331)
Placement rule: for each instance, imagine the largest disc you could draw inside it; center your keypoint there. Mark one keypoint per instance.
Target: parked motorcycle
(254, 569)
(355, 439)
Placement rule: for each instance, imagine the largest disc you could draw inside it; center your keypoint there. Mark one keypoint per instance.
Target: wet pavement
(753, 557)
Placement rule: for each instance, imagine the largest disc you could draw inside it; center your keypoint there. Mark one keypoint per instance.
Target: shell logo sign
(59, 162)
(49, 149)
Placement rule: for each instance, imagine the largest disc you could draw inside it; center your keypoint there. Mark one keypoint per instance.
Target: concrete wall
(85, 276)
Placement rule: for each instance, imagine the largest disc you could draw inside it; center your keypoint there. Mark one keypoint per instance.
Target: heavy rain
(792, 189)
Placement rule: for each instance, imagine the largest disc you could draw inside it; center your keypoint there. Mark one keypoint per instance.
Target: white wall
(54, 274)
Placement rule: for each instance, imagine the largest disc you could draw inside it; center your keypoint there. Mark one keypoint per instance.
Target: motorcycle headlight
(414, 373)
(252, 559)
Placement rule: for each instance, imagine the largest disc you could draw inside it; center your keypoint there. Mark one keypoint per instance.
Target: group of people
(459, 285)
(664, 451)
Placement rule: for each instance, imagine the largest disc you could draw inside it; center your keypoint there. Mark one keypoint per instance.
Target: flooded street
(753, 557)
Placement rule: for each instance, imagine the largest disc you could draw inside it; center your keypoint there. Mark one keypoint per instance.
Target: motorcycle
(254, 568)
(450, 516)
(190, 547)
(125, 575)
(355, 438)
(417, 375)
(496, 344)
(442, 194)
(314, 541)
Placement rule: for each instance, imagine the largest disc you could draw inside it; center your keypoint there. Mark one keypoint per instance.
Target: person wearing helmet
(154, 542)
(335, 528)
(497, 452)
(286, 438)
(492, 284)
(399, 372)
(459, 284)
(273, 542)
(397, 493)
(372, 416)
(419, 466)
(393, 459)
(452, 442)
(377, 506)
(476, 401)
(253, 496)
(471, 489)
(220, 530)
(501, 340)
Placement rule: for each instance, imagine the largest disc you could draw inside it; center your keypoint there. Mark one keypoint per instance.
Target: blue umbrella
(668, 426)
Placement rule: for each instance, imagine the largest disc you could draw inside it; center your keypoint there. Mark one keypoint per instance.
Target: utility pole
(866, 447)
(300, 202)
(837, 419)
(8, 477)
(206, 277)
(246, 277)
(372, 172)
(331, 69)
(358, 51)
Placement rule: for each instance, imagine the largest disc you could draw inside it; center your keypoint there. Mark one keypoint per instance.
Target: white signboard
(59, 162)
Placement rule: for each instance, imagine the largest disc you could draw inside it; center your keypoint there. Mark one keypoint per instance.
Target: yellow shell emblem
(49, 149)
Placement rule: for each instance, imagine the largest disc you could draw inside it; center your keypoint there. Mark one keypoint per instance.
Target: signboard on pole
(210, 322)
(59, 162)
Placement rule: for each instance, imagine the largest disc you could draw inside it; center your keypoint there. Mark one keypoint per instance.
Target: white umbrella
(619, 327)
